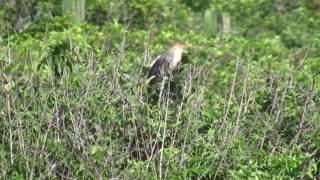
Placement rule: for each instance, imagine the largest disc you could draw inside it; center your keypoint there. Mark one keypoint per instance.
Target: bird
(166, 64)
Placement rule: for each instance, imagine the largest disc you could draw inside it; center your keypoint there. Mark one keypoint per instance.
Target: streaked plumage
(165, 64)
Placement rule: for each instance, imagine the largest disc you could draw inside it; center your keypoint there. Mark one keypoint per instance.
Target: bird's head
(177, 46)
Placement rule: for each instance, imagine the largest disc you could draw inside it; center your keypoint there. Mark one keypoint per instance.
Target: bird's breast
(176, 59)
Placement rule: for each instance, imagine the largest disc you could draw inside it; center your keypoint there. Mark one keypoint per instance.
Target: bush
(244, 104)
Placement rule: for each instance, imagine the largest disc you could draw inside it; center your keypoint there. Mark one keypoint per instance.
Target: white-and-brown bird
(165, 64)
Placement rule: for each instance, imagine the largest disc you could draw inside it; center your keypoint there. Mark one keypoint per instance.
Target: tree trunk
(211, 22)
(226, 24)
(76, 8)
(10, 2)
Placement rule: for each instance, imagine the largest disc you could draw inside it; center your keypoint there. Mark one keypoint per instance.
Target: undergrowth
(74, 99)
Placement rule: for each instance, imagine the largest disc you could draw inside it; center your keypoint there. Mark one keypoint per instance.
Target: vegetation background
(245, 104)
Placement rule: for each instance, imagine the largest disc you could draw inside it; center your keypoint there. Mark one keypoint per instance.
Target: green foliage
(244, 104)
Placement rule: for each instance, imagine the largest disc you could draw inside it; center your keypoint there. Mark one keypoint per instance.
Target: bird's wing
(157, 67)
(154, 61)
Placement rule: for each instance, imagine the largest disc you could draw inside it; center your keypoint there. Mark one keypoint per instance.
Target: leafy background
(74, 102)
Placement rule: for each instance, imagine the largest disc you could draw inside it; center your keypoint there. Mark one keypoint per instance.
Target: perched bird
(165, 64)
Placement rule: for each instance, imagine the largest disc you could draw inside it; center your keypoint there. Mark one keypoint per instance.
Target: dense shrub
(245, 104)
